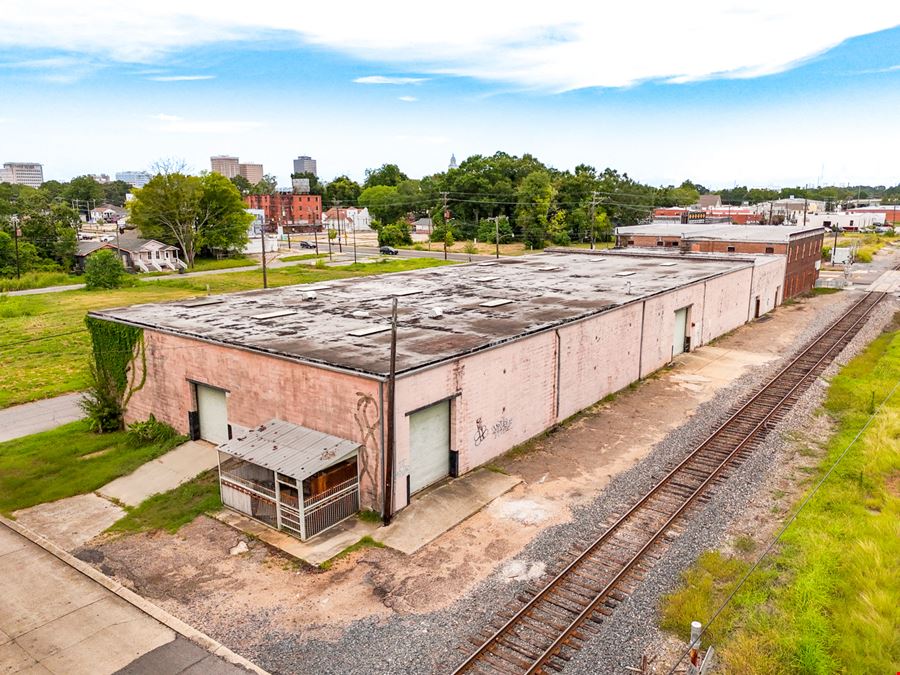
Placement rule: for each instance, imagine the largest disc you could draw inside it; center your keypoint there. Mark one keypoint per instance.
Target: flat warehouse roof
(443, 312)
(756, 233)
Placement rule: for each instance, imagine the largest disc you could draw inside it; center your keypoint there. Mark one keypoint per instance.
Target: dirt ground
(194, 576)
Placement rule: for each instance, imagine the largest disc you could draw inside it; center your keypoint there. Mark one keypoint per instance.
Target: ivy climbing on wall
(118, 369)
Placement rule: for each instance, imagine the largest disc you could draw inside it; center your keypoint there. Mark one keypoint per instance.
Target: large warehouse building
(801, 244)
(487, 356)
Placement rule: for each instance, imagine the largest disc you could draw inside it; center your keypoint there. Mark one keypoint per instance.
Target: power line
(788, 524)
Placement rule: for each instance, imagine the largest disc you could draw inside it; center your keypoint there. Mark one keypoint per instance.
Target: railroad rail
(554, 620)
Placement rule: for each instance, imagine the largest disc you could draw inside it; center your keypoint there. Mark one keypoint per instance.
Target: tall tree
(83, 189)
(342, 189)
(386, 174)
(114, 192)
(383, 203)
(535, 196)
(266, 186)
(191, 212)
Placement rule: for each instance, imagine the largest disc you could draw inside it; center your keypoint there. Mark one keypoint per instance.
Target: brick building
(488, 355)
(292, 212)
(802, 245)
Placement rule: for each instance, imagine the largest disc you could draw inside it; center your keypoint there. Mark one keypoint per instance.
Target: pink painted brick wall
(261, 388)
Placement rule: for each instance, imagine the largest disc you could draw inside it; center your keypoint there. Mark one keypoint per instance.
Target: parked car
(307, 244)
(388, 250)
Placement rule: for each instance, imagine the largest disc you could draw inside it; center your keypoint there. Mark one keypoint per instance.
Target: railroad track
(551, 622)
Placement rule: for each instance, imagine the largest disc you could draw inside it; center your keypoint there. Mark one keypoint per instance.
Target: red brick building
(292, 212)
(802, 245)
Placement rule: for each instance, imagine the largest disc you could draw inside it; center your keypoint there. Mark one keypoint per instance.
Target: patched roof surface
(443, 312)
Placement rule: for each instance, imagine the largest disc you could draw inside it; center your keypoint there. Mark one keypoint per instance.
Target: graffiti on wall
(497, 429)
(501, 426)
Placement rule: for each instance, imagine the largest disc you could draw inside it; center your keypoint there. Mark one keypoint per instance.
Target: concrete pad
(9, 542)
(315, 551)
(111, 648)
(71, 522)
(889, 282)
(163, 473)
(442, 508)
(14, 659)
(30, 418)
(70, 629)
(37, 590)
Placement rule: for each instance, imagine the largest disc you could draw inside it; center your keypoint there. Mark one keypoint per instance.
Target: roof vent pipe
(310, 295)
(627, 288)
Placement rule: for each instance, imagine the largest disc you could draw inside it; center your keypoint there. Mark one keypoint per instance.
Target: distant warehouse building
(802, 245)
(294, 382)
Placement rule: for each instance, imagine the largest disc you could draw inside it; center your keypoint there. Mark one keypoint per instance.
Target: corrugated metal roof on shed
(289, 449)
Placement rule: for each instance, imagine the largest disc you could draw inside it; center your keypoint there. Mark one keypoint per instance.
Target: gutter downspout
(641, 344)
(558, 374)
(750, 299)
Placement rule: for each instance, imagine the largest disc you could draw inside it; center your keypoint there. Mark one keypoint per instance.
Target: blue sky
(722, 95)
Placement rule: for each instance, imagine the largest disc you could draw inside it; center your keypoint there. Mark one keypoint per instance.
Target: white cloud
(567, 45)
(180, 78)
(407, 99)
(163, 117)
(382, 79)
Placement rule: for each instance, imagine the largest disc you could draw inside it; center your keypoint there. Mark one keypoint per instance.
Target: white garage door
(213, 414)
(680, 328)
(429, 444)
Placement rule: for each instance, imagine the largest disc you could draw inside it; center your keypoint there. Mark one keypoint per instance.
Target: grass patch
(44, 345)
(172, 510)
(365, 542)
(829, 599)
(369, 516)
(304, 256)
(209, 264)
(66, 461)
(496, 468)
(824, 291)
(31, 280)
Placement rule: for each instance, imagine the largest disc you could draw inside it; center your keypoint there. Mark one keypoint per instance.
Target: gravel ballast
(432, 642)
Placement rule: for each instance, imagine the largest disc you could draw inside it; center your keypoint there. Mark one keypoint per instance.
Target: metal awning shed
(289, 449)
(290, 477)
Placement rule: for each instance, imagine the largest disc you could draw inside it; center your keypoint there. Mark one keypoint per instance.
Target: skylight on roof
(668, 264)
(498, 302)
(484, 279)
(371, 330)
(202, 303)
(274, 315)
(546, 269)
(623, 274)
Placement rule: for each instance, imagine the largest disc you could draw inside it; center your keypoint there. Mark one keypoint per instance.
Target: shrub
(103, 269)
(396, 234)
(150, 431)
(100, 404)
(470, 248)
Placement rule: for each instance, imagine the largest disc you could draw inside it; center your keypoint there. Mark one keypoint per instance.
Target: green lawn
(38, 280)
(303, 256)
(207, 264)
(44, 345)
(66, 461)
(828, 599)
(171, 510)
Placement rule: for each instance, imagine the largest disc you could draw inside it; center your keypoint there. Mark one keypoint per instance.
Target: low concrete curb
(202, 639)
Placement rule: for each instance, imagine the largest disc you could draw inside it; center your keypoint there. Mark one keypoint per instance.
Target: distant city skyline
(771, 96)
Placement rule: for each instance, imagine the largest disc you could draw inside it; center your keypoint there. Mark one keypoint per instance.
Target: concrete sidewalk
(163, 473)
(59, 615)
(30, 418)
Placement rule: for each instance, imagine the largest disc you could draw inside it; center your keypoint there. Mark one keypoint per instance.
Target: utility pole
(389, 455)
(262, 243)
(337, 209)
(771, 204)
(591, 218)
(18, 233)
(805, 203)
(497, 236)
(446, 222)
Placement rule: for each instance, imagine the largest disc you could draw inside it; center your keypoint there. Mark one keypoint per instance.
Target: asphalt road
(30, 418)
